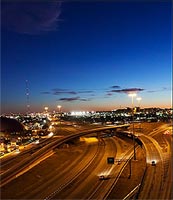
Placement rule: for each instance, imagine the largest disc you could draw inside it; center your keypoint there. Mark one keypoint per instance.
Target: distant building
(10, 127)
(10, 132)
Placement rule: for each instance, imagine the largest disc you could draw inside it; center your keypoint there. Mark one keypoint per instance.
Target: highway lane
(54, 176)
(165, 158)
(154, 174)
(12, 172)
(15, 157)
(157, 183)
(65, 130)
(85, 186)
(46, 178)
(84, 173)
(106, 186)
(65, 176)
(88, 178)
(48, 187)
(164, 139)
(12, 164)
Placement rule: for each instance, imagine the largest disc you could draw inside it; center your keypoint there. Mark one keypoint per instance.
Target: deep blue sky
(85, 55)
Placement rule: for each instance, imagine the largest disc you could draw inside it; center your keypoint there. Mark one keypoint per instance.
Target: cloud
(73, 99)
(109, 94)
(67, 92)
(165, 89)
(89, 91)
(161, 90)
(58, 91)
(31, 17)
(45, 92)
(84, 99)
(152, 91)
(127, 90)
(115, 87)
(69, 99)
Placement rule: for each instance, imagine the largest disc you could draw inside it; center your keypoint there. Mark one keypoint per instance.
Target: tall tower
(27, 98)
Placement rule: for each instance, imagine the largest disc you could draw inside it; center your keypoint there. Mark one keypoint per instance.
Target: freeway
(154, 174)
(73, 172)
(88, 185)
(66, 173)
(15, 157)
(157, 180)
(81, 184)
(64, 168)
(10, 174)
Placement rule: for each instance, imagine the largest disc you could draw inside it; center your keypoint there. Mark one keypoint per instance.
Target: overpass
(105, 128)
(17, 169)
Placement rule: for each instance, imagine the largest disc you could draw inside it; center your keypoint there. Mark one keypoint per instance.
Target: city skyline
(85, 55)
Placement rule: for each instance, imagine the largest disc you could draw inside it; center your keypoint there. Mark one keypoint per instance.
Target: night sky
(85, 55)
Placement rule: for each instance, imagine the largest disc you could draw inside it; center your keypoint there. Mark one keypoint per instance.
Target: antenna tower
(27, 97)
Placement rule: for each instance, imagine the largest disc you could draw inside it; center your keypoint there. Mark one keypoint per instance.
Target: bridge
(106, 128)
(14, 171)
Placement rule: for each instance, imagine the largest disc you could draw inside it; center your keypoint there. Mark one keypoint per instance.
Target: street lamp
(59, 107)
(132, 95)
(139, 100)
(46, 108)
(46, 111)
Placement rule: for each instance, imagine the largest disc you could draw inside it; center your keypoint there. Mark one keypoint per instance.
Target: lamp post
(132, 95)
(46, 109)
(139, 100)
(59, 107)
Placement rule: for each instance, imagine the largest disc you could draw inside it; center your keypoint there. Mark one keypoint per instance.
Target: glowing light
(37, 142)
(46, 108)
(138, 98)
(107, 172)
(78, 113)
(149, 161)
(132, 95)
(50, 134)
(17, 151)
(59, 107)
(89, 140)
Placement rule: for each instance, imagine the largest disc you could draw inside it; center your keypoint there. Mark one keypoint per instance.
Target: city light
(59, 107)
(46, 108)
(86, 100)
(50, 134)
(139, 100)
(132, 95)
